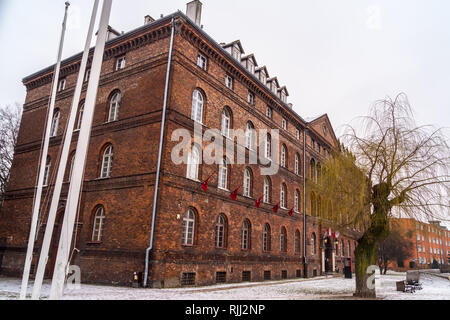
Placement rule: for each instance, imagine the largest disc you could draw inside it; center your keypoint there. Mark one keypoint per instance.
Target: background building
(200, 237)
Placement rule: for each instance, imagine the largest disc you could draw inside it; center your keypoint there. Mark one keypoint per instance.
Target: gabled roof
(283, 88)
(274, 79)
(257, 70)
(252, 57)
(236, 42)
(311, 121)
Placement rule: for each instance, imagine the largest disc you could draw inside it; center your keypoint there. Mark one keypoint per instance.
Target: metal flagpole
(37, 199)
(72, 118)
(73, 197)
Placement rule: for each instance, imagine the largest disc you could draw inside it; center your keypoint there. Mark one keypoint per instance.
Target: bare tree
(10, 117)
(402, 170)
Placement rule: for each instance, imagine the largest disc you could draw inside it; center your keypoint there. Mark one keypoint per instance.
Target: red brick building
(429, 241)
(200, 237)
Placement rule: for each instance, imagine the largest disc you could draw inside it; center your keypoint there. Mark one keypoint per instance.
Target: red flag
(258, 202)
(234, 194)
(277, 206)
(205, 184)
(291, 212)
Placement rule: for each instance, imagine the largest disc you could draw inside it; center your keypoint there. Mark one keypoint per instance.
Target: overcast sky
(335, 57)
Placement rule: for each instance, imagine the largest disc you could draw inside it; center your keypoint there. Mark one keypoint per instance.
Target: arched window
(250, 136)
(319, 206)
(247, 183)
(193, 163)
(312, 170)
(283, 156)
(114, 107)
(342, 248)
(318, 172)
(80, 117)
(283, 196)
(55, 123)
(48, 165)
(336, 247)
(72, 161)
(297, 164)
(267, 190)
(313, 204)
(221, 225)
(283, 239)
(297, 242)
(266, 237)
(245, 245)
(226, 122)
(223, 174)
(313, 243)
(188, 228)
(197, 106)
(268, 146)
(99, 222)
(297, 201)
(107, 162)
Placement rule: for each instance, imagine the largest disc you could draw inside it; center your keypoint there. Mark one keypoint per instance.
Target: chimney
(194, 11)
(148, 19)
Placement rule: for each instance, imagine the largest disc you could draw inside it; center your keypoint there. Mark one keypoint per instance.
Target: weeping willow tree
(390, 167)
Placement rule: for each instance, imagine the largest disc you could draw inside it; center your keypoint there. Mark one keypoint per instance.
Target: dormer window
(263, 78)
(251, 67)
(283, 97)
(274, 87)
(237, 53)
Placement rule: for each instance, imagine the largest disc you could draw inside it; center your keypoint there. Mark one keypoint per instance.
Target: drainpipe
(304, 205)
(158, 169)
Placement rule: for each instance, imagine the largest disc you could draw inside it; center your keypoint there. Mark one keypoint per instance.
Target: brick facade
(127, 195)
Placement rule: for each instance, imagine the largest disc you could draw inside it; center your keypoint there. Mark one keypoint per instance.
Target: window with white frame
(247, 183)
(62, 84)
(72, 161)
(297, 164)
(283, 195)
(237, 53)
(297, 201)
(193, 163)
(283, 239)
(297, 134)
(223, 175)
(283, 156)
(197, 106)
(267, 190)
(226, 122)
(201, 61)
(87, 76)
(245, 244)
(114, 107)
(269, 112)
(313, 244)
(99, 221)
(229, 82)
(284, 124)
(48, 165)
(107, 162)
(80, 117)
(268, 147)
(188, 228)
(55, 123)
(251, 98)
(250, 136)
(120, 63)
(220, 232)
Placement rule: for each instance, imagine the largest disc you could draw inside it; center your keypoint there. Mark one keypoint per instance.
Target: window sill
(93, 243)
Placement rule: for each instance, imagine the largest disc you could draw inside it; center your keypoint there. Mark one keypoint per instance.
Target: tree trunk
(365, 253)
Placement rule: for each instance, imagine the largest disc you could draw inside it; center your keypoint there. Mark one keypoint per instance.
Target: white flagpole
(73, 197)
(37, 199)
